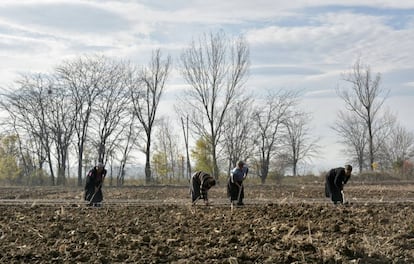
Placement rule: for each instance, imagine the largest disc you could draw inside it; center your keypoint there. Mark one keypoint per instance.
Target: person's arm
(103, 177)
(232, 175)
(203, 186)
(198, 179)
(204, 192)
(89, 180)
(339, 179)
(235, 173)
(246, 170)
(347, 179)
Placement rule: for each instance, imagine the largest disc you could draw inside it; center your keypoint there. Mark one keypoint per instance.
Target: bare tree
(129, 136)
(353, 135)
(238, 139)
(53, 111)
(397, 147)
(82, 77)
(184, 125)
(11, 125)
(383, 127)
(28, 106)
(300, 145)
(216, 69)
(364, 99)
(26, 155)
(269, 118)
(43, 108)
(146, 95)
(167, 145)
(111, 109)
(61, 123)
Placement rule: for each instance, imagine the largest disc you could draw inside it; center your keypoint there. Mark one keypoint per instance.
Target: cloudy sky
(293, 44)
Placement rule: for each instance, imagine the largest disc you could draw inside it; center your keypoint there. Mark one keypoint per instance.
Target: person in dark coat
(93, 186)
(335, 180)
(200, 183)
(235, 188)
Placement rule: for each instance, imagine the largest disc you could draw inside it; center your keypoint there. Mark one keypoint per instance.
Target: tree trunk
(148, 177)
(80, 158)
(265, 171)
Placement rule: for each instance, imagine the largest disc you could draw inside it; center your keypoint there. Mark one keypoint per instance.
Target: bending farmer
(335, 181)
(93, 187)
(200, 183)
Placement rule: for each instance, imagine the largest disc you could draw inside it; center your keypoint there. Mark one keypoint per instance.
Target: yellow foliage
(202, 155)
(8, 168)
(160, 164)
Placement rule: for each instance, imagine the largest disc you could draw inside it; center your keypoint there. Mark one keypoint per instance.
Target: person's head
(100, 166)
(348, 169)
(210, 183)
(240, 164)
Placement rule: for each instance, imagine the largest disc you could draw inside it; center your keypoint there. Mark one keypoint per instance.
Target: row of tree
(94, 107)
(101, 109)
(274, 136)
(372, 136)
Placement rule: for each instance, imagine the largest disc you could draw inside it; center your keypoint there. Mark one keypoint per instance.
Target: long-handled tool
(343, 197)
(198, 198)
(96, 191)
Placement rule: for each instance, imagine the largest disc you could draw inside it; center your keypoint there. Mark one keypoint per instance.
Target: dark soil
(284, 224)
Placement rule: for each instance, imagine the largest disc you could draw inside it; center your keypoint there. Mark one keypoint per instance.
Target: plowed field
(278, 224)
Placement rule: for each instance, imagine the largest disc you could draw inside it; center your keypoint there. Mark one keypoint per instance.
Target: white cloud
(338, 38)
(409, 84)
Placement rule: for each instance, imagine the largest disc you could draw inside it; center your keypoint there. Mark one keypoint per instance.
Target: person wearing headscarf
(334, 183)
(200, 183)
(93, 186)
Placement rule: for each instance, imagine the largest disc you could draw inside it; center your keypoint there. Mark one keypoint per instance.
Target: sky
(297, 44)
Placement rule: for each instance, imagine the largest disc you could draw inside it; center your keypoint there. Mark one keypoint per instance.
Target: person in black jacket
(235, 188)
(93, 186)
(335, 181)
(200, 183)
